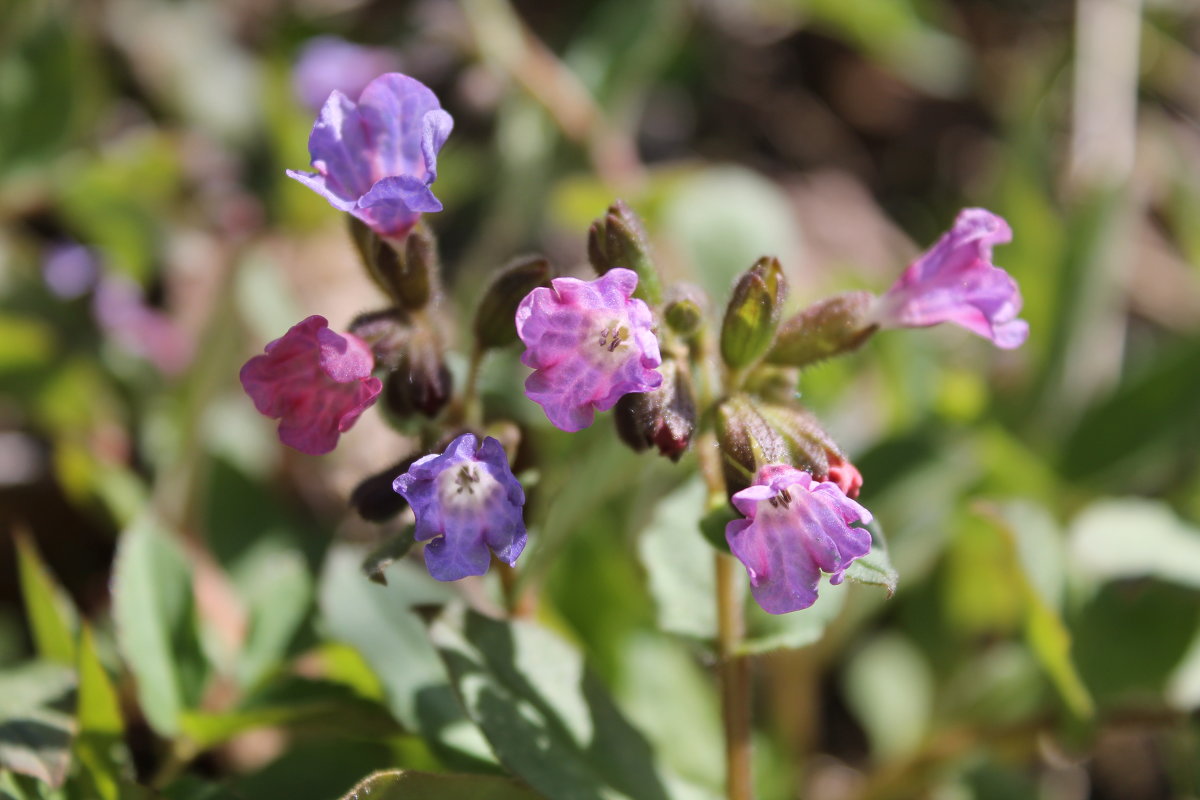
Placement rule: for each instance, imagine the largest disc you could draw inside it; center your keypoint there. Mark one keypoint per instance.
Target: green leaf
(301, 705)
(548, 719)
(1135, 538)
(35, 726)
(875, 568)
(279, 603)
(51, 617)
(154, 612)
(408, 785)
(679, 563)
(100, 747)
(378, 622)
(891, 690)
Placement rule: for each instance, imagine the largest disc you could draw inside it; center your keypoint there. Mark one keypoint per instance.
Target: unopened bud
(620, 240)
(753, 313)
(684, 309)
(664, 418)
(747, 442)
(829, 328)
(374, 498)
(420, 383)
(494, 319)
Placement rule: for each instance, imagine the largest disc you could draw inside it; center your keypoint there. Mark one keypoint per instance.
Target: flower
(122, 314)
(955, 281)
(589, 343)
(315, 381)
(375, 159)
(328, 63)
(467, 502)
(794, 528)
(70, 269)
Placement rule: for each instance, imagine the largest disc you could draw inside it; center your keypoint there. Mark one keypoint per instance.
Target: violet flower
(376, 159)
(794, 529)
(955, 281)
(315, 382)
(70, 269)
(589, 343)
(468, 503)
(328, 63)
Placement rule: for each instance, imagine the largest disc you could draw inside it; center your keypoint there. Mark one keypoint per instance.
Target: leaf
(49, 611)
(875, 568)
(153, 608)
(279, 602)
(298, 704)
(35, 728)
(895, 719)
(1134, 538)
(547, 718)
(390, 550)
(100, 746)
(408, 785)
(679, 563)
(377, 621)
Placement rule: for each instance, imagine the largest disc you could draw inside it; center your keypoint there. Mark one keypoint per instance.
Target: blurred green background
(1042, 506)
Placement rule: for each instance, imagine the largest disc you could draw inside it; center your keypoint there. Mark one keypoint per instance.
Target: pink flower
(315, 381)
(589, 343)
(794, 529)
(955, 281)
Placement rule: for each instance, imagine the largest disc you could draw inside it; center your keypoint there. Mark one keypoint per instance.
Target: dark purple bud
(828, 328)
(753, 313)
(495, 319)
(664, 418)
(374, 499)
(420, 383)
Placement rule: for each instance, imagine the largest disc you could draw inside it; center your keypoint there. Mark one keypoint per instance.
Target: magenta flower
(327, 64)
(315, 382)
(955, 281)
(467, 502)
(589, 343)
(376, 159)
(794, 529)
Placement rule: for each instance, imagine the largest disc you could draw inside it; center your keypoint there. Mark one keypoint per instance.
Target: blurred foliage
(183, 607)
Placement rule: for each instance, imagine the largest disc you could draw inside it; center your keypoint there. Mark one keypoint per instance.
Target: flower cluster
(620, 340)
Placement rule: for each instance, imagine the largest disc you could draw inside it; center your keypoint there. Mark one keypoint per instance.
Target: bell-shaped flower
(468, 505)
(376, 159)
(794, 529)
(315, 382)
(589, 343)
(955, 281)
(328, 63)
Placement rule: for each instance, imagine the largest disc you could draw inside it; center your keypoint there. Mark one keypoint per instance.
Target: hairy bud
(406, 269)
(620, 240)
(828, 328)
(494, 319)
(420, 383)
(753, 313)
(684, 309)
(374, 499)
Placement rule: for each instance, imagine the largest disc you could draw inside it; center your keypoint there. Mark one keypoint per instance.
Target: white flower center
(466, 486)
(611, 340)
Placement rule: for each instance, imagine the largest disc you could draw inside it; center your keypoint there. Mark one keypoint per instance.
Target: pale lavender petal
(327, 63)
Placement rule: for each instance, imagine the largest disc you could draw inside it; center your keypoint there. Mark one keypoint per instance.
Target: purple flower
(468, 502)
(794, 528)
(590, 343)
(122, 313)
(315, 381)
(327, 64)
(70, 269)
(955, 281)
(376, 159)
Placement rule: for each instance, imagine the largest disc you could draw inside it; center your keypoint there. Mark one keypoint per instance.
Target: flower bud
(420, 383)
(494, 319)
(812, 449)
(664, 418)
(620, 240)
(406, 269)
(374, 499)
(753, 313)
(829, 328)
(684, 310)
(747, 442)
